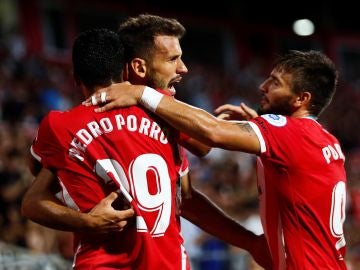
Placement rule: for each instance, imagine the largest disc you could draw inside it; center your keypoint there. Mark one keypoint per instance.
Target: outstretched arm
(41, 206)
(201, 211)
(195, 147)
(194, 121)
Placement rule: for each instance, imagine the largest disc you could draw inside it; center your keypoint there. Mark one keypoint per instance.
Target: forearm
(199, 124)
(196, 147)
(58, 217)
(49, 212)
(195, 122)
(210, 218)
(41, 205)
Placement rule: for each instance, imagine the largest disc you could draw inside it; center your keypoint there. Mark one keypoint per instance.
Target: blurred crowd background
(228, 48)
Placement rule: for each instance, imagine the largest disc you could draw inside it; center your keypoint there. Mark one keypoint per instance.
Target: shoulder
(49, 118)
(68, 116)
(270, 121)
(56, 120)
(276, 120)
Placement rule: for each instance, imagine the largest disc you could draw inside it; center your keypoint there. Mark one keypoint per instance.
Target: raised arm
(201, 211)
(191, 120)
(196, 147)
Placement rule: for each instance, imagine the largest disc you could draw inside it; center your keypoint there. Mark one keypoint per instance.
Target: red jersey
(302, 191)
(130, 149)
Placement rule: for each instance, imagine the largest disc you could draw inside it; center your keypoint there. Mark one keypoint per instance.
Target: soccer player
(301, 176)
(128, 150)
(164, 61)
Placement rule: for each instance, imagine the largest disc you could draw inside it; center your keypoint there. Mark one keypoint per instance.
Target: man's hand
(232, 112)
(103, 218)
(114, 96)
(41, 206)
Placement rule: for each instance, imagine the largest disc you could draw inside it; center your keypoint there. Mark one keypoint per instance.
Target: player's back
(141, 154)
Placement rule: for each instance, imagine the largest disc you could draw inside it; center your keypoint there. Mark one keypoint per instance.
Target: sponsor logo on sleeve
(275, 119)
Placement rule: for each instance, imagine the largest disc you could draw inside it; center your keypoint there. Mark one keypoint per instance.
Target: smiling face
(277, 97)
(165, 67)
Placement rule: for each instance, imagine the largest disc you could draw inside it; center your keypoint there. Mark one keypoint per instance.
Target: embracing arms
(41, 206)
(197, 123)
(201, 211)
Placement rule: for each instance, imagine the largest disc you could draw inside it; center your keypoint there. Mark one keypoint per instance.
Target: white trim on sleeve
(66, 197)
(36, 156)
(259, 135)
(184, 172)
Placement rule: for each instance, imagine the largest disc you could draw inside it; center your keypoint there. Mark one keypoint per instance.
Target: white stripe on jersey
(66, 198)
(36, 156)
(259, 135)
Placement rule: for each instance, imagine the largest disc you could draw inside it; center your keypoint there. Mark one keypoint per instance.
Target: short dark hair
(311, 71)
(138, 33)
(98, 58)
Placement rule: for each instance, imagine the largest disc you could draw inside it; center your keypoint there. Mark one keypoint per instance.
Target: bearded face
(277, 97)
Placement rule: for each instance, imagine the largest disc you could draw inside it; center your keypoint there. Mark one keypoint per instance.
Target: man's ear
(303, 99)
(138, 66)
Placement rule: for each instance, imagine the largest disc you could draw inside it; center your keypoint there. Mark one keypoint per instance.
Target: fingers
(103, 97)
(96, 98)
(249, 111)
(110, 226)
(121, 225)
(226, 108)
(222, 108)
(128, 213)
(241, 112)
(93, 100)
(121, 219)
(109, 199)
(106, 107)
(224, 116)
(122, 215)
(231, 112)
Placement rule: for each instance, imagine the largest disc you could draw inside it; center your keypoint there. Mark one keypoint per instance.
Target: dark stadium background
(228, 48)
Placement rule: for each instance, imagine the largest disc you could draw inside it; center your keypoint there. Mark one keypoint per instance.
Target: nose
(181, 67)
(264, 86)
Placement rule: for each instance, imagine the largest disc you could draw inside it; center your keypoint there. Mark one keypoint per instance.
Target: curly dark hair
(98, 58)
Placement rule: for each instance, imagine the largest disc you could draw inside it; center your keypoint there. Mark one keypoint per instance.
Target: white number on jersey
(137, 186)
(337, 215)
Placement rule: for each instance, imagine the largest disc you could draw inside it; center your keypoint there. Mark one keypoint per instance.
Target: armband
(150, 98)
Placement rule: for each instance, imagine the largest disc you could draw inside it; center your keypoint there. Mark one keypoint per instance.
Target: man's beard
(154, 82)
(282, 107)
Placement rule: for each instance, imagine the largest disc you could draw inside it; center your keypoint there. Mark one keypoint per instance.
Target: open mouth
(172, 90)
(171, 86)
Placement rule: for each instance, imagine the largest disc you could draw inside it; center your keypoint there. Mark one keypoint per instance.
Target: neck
(303, 114)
